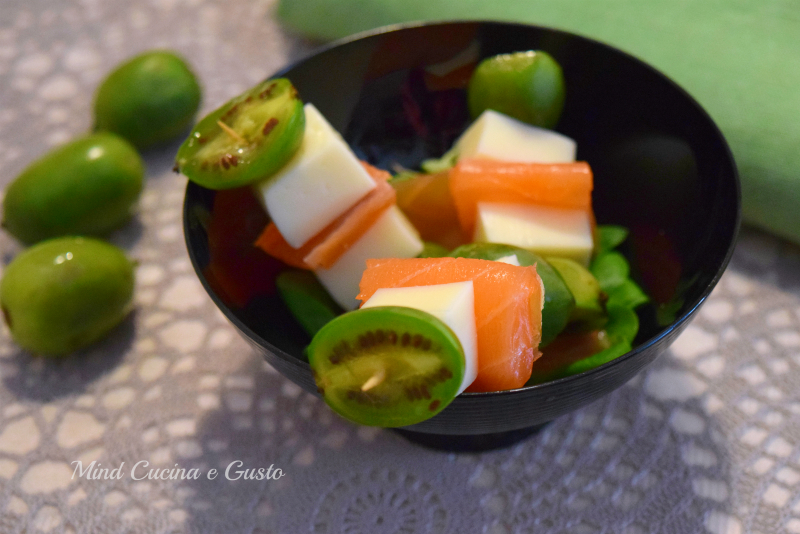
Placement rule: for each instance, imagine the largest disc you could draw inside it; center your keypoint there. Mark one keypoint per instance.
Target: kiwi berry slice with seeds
(247, 139)
(387, 366)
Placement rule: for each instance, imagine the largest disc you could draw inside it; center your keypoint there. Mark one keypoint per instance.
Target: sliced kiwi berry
(387, 366)
(590, 310)
(558, 300)
(247, 139)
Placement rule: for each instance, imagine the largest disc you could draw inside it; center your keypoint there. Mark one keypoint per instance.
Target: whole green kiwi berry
(87, 187)
(64, 294)
(149, 100)
(528, 86)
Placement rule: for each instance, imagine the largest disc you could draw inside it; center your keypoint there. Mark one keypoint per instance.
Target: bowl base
(469, 443)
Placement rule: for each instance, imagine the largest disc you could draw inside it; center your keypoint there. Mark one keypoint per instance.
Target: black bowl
(661, 168)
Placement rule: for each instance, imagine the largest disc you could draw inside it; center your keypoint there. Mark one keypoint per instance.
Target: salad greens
(612, 271)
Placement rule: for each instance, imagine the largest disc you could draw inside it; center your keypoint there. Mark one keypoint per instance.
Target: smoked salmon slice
(508, 309)
(325, 248)
(558, 185)
(426, 200)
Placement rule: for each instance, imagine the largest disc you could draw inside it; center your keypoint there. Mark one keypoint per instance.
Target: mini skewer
(374, 380)
(230, 131)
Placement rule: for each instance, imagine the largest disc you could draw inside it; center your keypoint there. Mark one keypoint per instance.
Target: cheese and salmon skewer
(508, 309)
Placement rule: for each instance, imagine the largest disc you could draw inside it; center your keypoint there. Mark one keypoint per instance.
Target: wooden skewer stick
(374, 380)
(230, 131)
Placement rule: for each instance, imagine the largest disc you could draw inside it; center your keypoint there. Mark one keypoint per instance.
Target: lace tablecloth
(705, 440)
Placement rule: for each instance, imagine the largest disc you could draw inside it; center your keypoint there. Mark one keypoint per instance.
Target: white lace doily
(705, 440)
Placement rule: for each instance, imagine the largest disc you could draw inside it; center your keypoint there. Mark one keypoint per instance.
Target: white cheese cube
(453, 304)
(321, 181)
(511, 259)
(392, 236)
(497, 136)
(547, 231)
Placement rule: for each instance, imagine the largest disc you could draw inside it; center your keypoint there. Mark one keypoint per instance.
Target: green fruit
(64, 294)
(86, 187)
(247, 139)
(307, 300)
(528, 86)
(387, 366)
(558, 300)
(589, 312)
(149, 100)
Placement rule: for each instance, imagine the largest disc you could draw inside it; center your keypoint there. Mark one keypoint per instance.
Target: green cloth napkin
(739, 58)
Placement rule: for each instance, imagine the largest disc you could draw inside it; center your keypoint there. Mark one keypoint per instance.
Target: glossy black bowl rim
(555, 384)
